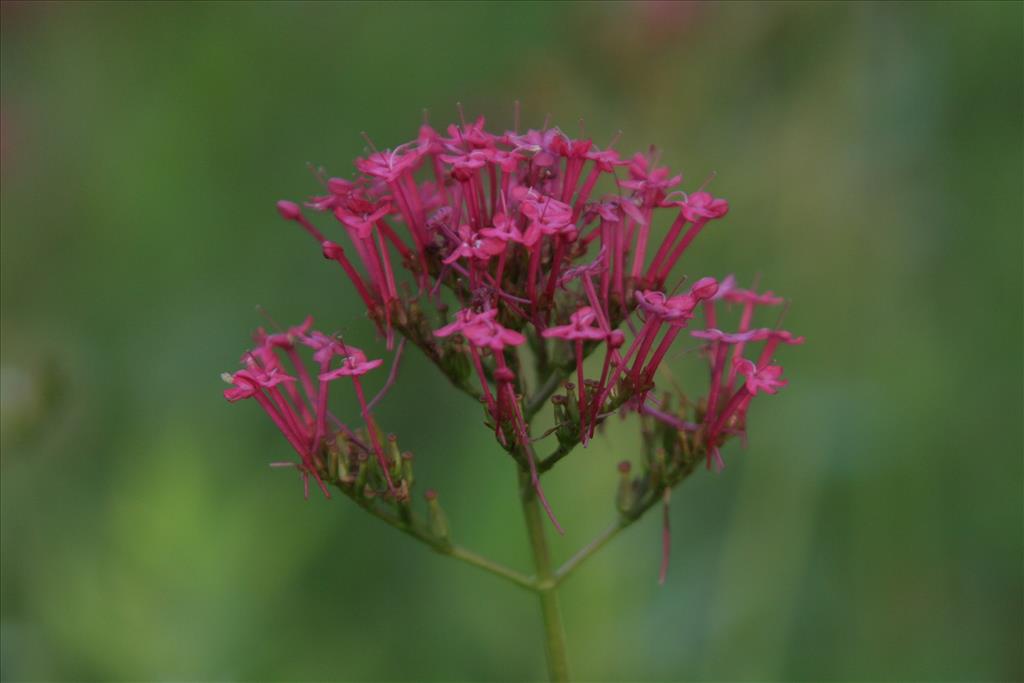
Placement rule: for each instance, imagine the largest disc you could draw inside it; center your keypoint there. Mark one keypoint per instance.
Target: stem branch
(589, 549)
(445, 547)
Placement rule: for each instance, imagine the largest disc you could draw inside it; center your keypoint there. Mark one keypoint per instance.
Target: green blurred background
(872, 155)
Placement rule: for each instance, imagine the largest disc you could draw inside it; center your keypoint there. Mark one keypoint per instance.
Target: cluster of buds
(548, 249)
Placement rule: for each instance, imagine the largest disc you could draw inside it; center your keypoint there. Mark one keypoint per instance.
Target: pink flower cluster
(550, 249)
(297, 402)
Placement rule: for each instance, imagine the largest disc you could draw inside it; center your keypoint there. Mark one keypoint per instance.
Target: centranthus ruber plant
(508, 260)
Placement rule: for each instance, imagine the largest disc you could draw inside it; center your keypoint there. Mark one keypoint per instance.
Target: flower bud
(407, 473)
(572, 406)
(565, 431)
(289, 211)
(402, 496)
(333, 460)
(394, 455)
(704, 288)
(362, 471)
(332, 249)
(438, 520)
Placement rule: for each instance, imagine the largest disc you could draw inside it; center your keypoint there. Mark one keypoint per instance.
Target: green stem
(550, 461)
(469, 557)
(445, 547)
(589, 549)
(546, 584)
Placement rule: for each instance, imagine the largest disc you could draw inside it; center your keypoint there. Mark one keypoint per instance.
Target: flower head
(510, 231)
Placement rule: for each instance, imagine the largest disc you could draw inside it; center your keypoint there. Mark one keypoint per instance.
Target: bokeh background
(872, 154)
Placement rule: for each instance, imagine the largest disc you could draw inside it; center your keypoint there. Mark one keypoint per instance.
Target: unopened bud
(341, 446)
(332, 250)
(565, 430)
(572, 406)
(394, 454)
(363, 471)
(289, 211)
(704, 288)
(407, 473)
(438, 520)
(402, 496)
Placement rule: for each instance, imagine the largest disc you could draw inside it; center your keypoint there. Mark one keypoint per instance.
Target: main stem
(546, 586)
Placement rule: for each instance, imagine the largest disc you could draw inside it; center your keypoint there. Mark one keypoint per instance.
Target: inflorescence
(512, 255)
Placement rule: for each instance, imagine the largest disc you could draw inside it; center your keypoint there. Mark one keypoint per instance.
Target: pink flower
(606, 160)
(465, 165)
(388, 165)
(744, 296)
(284, 339)
(324, 347)
(581, 326)
(643, 178)
(573, 149)
(363, 223)
(676, 309)
(465, 318)
(508, 162)
(702, 206)
(541, 144)
(492, 335)
(503, 228)
(714, 334)
(474, 246)
(547, 212)
(764, 380)
(725, 288)
(473, 135)
(652, 302)
(481, 329)
(354, 365)
(243, 386)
